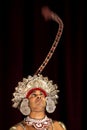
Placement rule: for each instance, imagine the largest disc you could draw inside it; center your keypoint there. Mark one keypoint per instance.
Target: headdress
(38, 81)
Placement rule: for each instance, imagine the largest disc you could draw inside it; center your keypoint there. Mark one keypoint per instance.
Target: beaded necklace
(40, 124)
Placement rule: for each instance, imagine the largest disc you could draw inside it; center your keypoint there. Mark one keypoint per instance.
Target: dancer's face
(37, 101)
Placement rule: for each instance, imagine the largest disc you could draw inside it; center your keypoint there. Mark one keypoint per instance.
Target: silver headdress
(38, 81)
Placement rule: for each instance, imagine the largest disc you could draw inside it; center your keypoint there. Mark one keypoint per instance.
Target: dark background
(25, 39)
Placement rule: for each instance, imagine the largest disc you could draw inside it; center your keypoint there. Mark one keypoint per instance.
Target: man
(33, 96)
(37, 94)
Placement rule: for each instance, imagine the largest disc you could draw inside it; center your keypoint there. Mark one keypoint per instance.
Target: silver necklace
(40, 124)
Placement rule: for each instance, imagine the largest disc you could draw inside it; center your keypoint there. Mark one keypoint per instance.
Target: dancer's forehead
(37, 91)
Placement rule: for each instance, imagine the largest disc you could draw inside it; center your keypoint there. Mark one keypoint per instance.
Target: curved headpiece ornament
(37, 81)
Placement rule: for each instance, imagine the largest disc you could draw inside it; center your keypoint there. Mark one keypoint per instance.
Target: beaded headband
(36, 81)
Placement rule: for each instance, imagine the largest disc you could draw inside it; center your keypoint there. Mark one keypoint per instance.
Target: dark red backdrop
(24, 42)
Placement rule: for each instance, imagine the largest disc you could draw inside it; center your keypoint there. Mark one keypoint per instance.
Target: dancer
(37, 94)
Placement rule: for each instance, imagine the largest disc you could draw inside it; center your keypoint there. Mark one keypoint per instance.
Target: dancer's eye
(33, 95)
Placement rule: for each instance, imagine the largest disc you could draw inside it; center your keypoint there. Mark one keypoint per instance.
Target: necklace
(41, 124)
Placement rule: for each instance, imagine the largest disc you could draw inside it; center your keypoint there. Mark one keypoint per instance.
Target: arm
(59, 125)
(19, 126)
